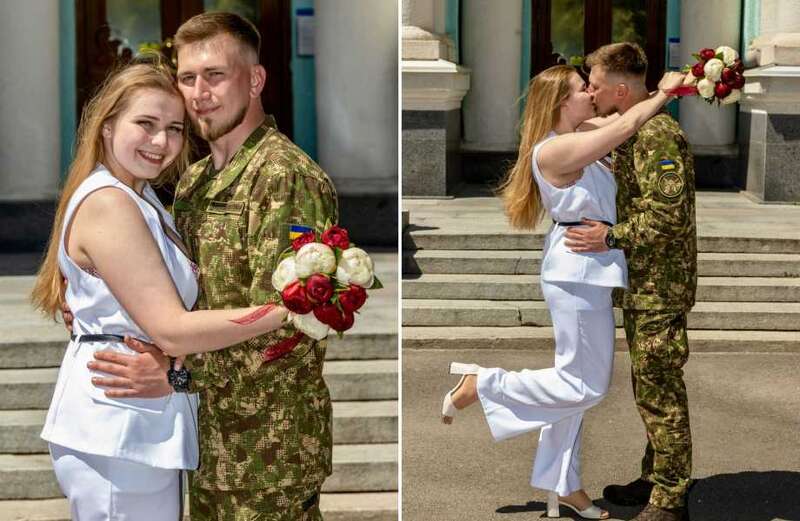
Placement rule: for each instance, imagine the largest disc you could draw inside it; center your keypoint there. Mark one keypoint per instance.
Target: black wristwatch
(180, 379)
(611, 241)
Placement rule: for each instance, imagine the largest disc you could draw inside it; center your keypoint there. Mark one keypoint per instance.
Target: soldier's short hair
(208, 25)
(622, 58)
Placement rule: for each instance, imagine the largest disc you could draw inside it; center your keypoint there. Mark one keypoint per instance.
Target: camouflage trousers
(250, 505)
(659, 349)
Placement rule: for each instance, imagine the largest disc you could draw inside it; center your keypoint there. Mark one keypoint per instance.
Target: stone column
(29, 119)
(770, 109)
(492, 49)
(708, 24)
(30, 166)
(356, 95)
(433, 87)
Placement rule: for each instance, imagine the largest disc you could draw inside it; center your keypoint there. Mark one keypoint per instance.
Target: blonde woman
(127, 274)
(558, 172)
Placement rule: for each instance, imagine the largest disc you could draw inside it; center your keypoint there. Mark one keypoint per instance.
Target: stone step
(356, 468)
(522, 287)
(343, 506)
(43, 347)
(528, 262)
(353, 422)
(540, 338)
(472, 240)
(751, 316)
(347, 380)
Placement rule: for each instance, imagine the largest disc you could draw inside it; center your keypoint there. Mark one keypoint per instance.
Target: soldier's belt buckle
(225, 207)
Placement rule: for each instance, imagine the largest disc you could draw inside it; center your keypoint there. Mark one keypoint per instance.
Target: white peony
(728, 54)
(355, 266)
(713, 69)
(733, 97)
(689, 79)
(314, 257)
(309, 325)
(706, 87)
(284, 274)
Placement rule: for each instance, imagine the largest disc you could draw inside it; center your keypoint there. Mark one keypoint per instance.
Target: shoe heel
(448, 409)
(552, 504)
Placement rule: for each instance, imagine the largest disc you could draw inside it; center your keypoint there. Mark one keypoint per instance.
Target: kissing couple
(628, 225)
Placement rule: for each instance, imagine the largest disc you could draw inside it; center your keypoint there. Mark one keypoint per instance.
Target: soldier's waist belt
(98, 338)
(578, 223)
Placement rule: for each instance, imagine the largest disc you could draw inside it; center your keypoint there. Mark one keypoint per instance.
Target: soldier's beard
(212, 132)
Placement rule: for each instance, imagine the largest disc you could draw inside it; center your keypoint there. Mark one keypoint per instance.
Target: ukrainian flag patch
(667, 165)
(296, 230)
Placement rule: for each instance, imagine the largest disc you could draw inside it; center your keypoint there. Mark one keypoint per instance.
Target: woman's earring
(106, 131)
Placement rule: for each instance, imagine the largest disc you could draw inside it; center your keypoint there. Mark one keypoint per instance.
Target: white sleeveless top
(592, 196)
(160, 432)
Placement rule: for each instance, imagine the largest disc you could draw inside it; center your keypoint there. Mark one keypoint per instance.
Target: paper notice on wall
(675, 53)
(305, 31)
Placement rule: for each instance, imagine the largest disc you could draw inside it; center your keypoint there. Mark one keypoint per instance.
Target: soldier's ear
(621, 90)
(258, 78)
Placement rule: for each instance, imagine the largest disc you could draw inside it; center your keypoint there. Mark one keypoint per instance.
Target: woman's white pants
(102, 489)
(554, 399)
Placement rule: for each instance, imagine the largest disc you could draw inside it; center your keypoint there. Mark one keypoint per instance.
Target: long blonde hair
(112, 99)
(518, 190)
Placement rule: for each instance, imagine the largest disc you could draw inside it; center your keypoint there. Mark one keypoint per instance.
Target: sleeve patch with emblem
(670, 184)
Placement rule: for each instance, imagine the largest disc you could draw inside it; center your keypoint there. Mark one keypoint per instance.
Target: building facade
(342, 111)
(466, 65)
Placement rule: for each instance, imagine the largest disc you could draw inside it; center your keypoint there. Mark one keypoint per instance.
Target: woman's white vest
(592, 196)
(161, 432)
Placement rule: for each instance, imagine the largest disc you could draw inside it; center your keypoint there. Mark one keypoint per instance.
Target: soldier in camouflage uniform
(265, 428)
(657, 230)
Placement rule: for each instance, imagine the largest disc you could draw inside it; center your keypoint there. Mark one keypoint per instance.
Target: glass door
(564, 31)
(111, 32)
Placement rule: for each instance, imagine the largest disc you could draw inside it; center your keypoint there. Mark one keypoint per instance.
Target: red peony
(697, 70)
(330, 315)
(728, 76)
(303, 240)
(336, 237)
(738, 66)
(706, 54)
(319, 288)
(295, 298)
(738, 81)
(352, 299)
(721, 90)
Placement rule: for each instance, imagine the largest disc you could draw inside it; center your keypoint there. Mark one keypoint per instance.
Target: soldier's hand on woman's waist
(143, 375)
(590, 238)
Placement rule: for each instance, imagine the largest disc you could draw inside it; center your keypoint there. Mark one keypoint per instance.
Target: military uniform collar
(240, 159)
(224, 178)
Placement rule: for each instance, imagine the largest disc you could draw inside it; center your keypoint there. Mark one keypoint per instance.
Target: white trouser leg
(102, 489)
(516, 402)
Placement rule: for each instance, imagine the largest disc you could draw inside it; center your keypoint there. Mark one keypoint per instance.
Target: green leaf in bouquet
(719, 56)
(288, 252)
(376, 283)
(686, 68)
(697, 56)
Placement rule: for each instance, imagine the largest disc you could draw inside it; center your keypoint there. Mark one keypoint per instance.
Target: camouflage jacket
(656, 226)
(262, 425)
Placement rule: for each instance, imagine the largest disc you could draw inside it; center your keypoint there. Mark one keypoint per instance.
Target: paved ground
(745, 414)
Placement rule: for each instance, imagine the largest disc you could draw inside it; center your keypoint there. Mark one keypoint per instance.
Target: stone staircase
(471, 283)
(361, 372)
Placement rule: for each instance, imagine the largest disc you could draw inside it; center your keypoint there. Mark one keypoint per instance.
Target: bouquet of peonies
(323, 281)
(717, 76)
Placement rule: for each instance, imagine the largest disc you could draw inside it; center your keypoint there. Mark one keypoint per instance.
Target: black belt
(579, 223)
(98, 338)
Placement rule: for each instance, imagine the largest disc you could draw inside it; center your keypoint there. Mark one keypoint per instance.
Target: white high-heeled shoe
(553, 502)
(448, 407)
